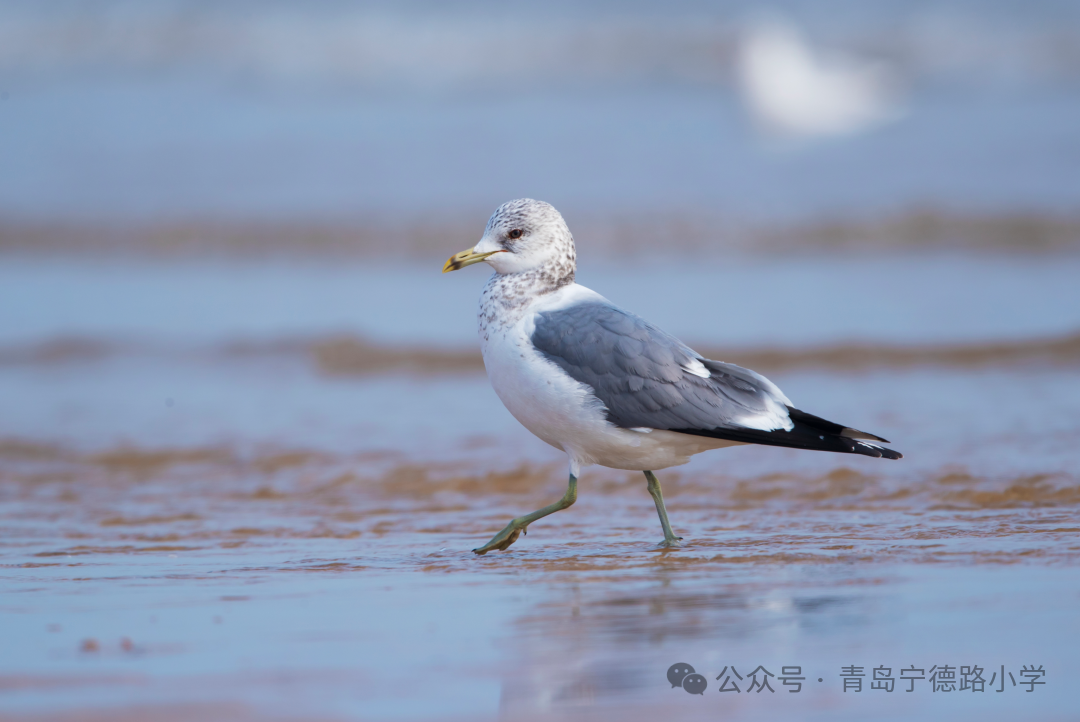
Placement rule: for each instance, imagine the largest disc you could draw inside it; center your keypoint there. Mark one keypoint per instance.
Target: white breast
(564, 412)
(540, 395)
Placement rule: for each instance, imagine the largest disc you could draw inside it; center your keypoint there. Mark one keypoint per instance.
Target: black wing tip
(878, 452)
(800, 437)
(831, 427)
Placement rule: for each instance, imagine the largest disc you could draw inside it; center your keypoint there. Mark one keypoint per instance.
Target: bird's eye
(516, 233)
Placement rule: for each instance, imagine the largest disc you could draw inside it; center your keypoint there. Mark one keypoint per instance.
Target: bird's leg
(509, 535)
(670, 540)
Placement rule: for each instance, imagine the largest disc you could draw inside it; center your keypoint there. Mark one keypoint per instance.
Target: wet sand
(354, 357)
(222, 526)
(613, 236)
(346, 356)
(206, 584)
(246, 443)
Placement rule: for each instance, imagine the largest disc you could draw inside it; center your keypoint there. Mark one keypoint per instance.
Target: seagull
(794, 91)
(607, 387)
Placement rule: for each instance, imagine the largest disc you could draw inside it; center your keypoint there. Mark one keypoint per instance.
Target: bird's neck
(507, 296)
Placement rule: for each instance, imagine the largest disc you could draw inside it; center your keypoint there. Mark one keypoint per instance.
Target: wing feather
(648, 379)
(643, 375)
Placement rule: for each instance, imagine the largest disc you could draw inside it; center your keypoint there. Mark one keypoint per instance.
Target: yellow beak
(466, 258)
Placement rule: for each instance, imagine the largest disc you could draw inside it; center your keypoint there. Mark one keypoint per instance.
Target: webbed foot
(517, 527)
(503, 539)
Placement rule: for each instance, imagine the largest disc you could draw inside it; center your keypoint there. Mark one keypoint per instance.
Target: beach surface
(250, 491)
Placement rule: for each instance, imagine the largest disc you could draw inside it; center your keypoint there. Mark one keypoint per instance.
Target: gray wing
(643, 375)
(648, 379)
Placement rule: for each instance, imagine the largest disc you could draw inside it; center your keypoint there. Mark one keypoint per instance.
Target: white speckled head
(529, 235)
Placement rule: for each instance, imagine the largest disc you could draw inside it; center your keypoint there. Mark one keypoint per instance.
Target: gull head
(521, 236)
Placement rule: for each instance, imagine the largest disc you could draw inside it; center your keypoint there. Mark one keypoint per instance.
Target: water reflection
(604, 647)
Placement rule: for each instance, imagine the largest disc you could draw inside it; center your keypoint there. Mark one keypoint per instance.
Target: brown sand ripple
(354, 357)
(617, 236)
(137, 502)
(343, 356)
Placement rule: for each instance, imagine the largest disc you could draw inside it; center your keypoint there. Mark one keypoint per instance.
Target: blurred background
(282, 179)
(227, 354)
(390, 114)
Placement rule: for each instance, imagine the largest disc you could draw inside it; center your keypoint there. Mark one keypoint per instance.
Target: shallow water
(241, 479)
(207, 585)
(193, 532)
(217, 127)
(734, 301)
